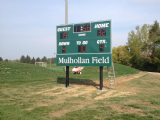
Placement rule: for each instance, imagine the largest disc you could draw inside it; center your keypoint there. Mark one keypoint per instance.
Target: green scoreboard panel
(84, 44)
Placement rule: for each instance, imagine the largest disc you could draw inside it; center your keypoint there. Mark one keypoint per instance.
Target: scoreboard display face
(84, 44)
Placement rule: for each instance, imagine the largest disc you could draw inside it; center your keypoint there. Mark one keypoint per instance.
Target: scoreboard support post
(101, 77)
(67, 76)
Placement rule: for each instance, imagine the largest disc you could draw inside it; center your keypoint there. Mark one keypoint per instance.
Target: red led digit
(64, 49)
(65, 35)
(84, 28)
(76, 28)
(101, 47)
(99, 32)
(82, 48)
(103, 32)
(88, 27)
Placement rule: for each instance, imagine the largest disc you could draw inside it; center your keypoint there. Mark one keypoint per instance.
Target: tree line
(28, 59)
(1, 59)
(142, 51)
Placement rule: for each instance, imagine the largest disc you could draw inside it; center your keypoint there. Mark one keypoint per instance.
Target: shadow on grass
(74, 81)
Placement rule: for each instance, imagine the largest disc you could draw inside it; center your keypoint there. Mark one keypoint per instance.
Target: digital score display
(63, 35)
(63, 49)
(101, 32)
(82, 48)
(82, 28)
(84, 44)
(77, 28)
(101, 47)
(86, 28)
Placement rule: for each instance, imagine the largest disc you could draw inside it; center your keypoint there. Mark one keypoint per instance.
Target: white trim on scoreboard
(83, 53)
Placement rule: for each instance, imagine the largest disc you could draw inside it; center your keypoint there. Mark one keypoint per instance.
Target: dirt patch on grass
(120, 82)
(86, 94)
(126, 109)
(64, 111)
(47, 90)
(112, 94)
(154, 73)
(61, 92)
(77, 91)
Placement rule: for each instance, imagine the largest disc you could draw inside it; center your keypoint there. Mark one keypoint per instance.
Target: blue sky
(28, 27)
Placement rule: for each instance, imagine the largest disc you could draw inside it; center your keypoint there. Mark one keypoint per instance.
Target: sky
(28, 27)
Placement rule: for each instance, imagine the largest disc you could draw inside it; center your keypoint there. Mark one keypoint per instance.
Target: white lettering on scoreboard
(101, 41)
(95, 60)
(103, 25)
(83, 42)
(100, 60)
(64, 43)
(82, 34)
(63, 29)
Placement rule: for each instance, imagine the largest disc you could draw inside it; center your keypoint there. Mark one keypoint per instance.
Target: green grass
(29, 92)
(19, 73)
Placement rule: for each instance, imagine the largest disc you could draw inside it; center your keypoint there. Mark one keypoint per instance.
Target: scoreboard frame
(101, 56)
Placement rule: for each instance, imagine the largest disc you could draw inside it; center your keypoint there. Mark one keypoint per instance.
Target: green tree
(22, 59)
(44, 59)
(38, 59)
(6, 60)
(1, 59)
(154, 36)
(16, 60)
(138, 45)
(144, 47)
(53, 60)
(28, 59)
(135, 43)
(115, 55)
(33, 61)
(123, 55)
(145, 40)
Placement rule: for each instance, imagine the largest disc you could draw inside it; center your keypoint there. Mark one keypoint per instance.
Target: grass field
(29, 92)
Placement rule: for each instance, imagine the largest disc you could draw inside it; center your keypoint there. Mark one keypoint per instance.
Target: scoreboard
(84, 44)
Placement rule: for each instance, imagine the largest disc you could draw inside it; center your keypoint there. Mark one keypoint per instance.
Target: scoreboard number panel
(63, 35)
(86, 28)
(91, 42)
(82, 48)
(79, 28)
(91, 46)
(101, 32)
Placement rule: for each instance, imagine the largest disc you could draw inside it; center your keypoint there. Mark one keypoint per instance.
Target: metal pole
(50, 62)
(101, 77)
(67, 76)
(66, 13)
(67, 67)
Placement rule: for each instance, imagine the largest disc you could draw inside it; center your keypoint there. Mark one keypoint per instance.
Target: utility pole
(50, 62)
(66, 22)
(66, 13)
